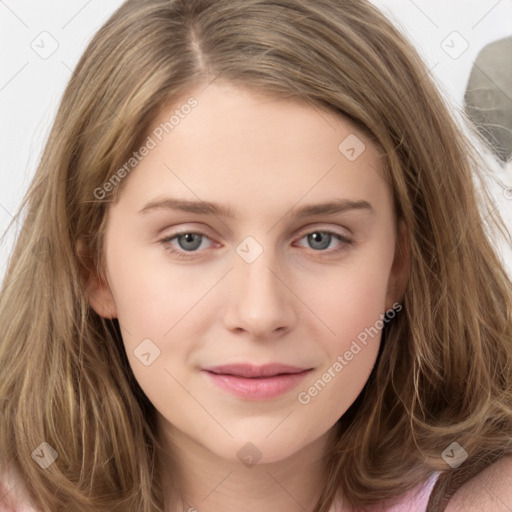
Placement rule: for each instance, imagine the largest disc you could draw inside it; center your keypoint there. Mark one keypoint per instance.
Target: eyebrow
(207, 208)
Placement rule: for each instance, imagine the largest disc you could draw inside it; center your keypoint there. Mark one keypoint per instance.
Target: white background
(31, 86)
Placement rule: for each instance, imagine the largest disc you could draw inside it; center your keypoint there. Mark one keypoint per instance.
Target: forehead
(254, 149)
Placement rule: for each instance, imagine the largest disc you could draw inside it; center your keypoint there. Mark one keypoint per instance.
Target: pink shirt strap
(416, 500)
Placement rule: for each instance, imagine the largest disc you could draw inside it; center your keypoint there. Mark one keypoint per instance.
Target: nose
(261, 301)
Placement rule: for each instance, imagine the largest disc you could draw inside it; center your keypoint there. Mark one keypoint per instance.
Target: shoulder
(491, 489)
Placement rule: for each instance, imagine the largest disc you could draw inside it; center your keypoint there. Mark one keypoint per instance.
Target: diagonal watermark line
(483, 217)
(504, 186)
(198, 301)
(429, 71)
(216, 487)
(4, 284)
(6, 466)
(285, 490)
(492, 493)
(5, 5)
(314, 106)
(280, 423)
(95, 94)
(424, 13)
(301, 198)
(121, 325)
(209, 83)
(76, 14)
(199, 403)
(492, 81)
(2, 498)
(14, 76)
(333, 332)
(10, 214)
(496, 206)
(108, 312)
(216, 216)
(486, 14)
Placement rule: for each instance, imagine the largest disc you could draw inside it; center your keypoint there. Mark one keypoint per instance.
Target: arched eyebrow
(208, 208)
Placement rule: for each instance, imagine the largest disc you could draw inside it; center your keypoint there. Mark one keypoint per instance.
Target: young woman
(255, 272)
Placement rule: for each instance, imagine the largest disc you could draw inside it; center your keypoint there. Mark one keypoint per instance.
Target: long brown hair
(444, 372)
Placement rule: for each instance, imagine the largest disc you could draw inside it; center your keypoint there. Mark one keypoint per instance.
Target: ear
(95, 284)
(399, 274)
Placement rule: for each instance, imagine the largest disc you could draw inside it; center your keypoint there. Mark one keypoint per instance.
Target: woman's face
(290, 260)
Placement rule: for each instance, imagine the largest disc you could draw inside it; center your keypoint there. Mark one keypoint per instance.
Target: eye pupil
(316, 237)
(189, 239)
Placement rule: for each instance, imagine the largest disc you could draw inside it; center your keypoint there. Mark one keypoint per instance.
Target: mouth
(256, 383)
(249, 370)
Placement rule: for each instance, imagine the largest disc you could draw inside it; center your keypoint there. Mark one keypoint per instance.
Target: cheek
(365, 295)
(351, 297)
(158, 305)
(151, 293)
(352, 306)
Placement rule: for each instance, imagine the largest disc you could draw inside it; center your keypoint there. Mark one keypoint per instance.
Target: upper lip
(250, 370)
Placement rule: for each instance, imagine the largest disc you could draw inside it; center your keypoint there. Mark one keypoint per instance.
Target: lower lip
(257, 388)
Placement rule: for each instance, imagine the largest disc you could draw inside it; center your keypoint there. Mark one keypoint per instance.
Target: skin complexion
(265, 276)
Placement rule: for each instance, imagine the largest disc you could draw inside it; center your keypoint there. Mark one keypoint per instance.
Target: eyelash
(188, 255)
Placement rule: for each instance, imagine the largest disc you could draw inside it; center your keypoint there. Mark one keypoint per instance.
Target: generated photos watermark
(157, 135)
(305, 396)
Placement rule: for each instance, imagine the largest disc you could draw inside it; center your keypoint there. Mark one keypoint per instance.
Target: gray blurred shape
(488, 97)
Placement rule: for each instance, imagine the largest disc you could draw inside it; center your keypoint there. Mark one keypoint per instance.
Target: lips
(251, 382)
(249, 370)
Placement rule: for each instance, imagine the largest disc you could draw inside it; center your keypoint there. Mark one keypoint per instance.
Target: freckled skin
(298, 303)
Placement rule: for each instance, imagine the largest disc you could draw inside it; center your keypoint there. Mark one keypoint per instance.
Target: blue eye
(322, 239)
(190, 242)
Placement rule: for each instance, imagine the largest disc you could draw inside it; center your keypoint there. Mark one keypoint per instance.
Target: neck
(210, 483)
